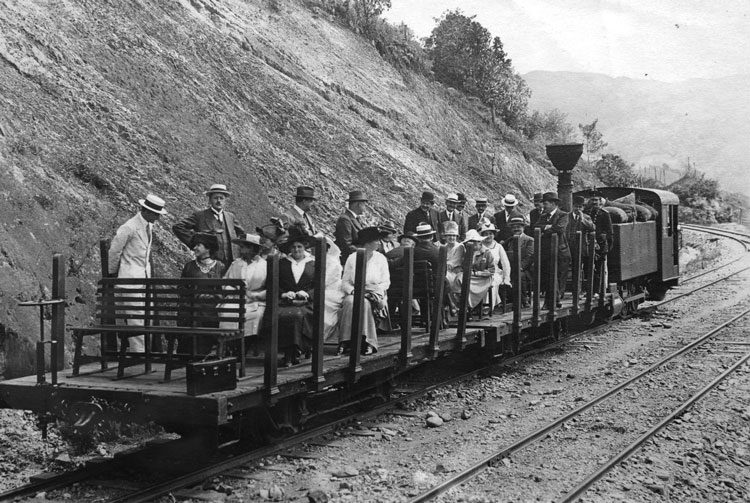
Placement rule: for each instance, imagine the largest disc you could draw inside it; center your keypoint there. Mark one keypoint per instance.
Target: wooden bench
(181, 308)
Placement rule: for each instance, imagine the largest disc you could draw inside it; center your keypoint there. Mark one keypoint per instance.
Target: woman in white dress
(482, 269)
(251, 267)
(377, 281)
(502, 264)
(334, 295)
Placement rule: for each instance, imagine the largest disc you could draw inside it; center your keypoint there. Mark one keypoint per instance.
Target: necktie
(219, 216)
(309, 223)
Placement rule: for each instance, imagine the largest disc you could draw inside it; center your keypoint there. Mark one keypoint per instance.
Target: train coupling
(616, 303)
(85, 415)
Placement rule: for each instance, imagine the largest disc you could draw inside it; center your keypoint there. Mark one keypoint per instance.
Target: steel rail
(581, 488)
(488, 461)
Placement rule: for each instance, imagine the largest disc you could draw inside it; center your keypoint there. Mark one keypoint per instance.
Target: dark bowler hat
(461, 197)
(537, 197)
(218, 188)
(578, 200)
(428, 196)
(357, 195)
(303, 191)
(550, 196)
(387, 227)
(153, 203)
(207, 239)
(368, 235)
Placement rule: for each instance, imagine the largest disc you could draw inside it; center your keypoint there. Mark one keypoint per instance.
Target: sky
(664, 40)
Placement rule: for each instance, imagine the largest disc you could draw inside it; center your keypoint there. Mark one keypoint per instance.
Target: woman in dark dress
(205, 266)
(296, 283)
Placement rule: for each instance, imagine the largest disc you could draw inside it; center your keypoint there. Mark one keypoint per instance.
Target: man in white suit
(130, 253)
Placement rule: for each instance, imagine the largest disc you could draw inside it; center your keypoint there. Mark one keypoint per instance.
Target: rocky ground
(702, 457)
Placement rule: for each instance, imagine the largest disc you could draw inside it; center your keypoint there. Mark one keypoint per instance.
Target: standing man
(424, 213)
(534, 214)
(481, 206)
(215, 219)
(130, 254)
(604, 240)
(517, 223)
(504, 232)
(553, 221)
(451, 214)
(461, 208)
(299, 214)
(579, 221)
(350, 223)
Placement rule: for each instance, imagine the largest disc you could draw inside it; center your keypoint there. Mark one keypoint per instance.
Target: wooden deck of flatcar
(154, 399)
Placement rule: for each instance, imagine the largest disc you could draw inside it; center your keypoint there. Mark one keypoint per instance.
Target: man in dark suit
(604, 239)
(215, 219)
(517, 224)
(424, 213)
(299, 214)
(481, 207)
(534, 214)
(504, 231)
(425, 249)
(451, 214)
(579, 221)
(553, 221)
(349, 224)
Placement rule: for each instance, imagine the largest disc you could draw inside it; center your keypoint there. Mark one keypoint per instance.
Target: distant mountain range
(652, 123)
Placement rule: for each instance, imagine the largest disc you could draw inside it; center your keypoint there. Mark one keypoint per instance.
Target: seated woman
(482, 269)
(377, 281)
(250, 267)
(334, 295)
(502, 264)
(204, 266)
(296, 284)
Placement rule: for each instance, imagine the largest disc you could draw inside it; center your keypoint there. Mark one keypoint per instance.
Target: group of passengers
(223, 249)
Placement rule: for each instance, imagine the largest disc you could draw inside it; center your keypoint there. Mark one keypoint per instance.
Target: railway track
(202, 473)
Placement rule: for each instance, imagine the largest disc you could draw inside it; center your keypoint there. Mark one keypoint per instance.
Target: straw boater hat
(218, 188)
(424, 230)
(516, 219)
(153, 203)
(248, 240)
(481, 200)
(450, 228)
(510, 200)
(472, 235)
(452, 198)
(551, 196)
(357, 195)
(368, 235)
(303, 191)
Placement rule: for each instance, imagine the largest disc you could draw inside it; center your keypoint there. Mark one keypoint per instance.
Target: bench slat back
(171, 301)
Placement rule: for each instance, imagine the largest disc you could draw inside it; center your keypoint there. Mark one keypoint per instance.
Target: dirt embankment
(102, 102)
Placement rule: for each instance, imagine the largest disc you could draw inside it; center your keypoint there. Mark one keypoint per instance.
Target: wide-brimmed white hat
(472, 235)
(487, 226)
(153, 203)
(452, 198)
(450, 228)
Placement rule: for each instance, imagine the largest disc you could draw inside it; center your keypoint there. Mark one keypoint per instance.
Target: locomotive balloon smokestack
(564, 159)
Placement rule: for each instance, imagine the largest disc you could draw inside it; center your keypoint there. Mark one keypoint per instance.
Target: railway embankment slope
(102, 102)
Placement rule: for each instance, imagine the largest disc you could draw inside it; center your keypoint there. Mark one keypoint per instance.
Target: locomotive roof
(662, 196)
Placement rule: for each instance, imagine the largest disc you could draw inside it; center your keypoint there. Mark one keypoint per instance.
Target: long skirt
(370, 329)
(334, 300)
(253, 317)
(478, 288)
(295, 327)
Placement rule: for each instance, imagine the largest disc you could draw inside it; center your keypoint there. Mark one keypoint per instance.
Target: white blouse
(378, 277)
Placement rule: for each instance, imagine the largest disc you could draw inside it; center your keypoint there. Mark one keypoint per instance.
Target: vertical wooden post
(355, 343)
(241, 296)
(590, 265)
(517, 289)
(271, 363)
(537, 286)
(437, 312)
(108, 341)
(407, 295)
(319, 309)
(553, 286)
(577, 270)
(58, 310)
(463, 302)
